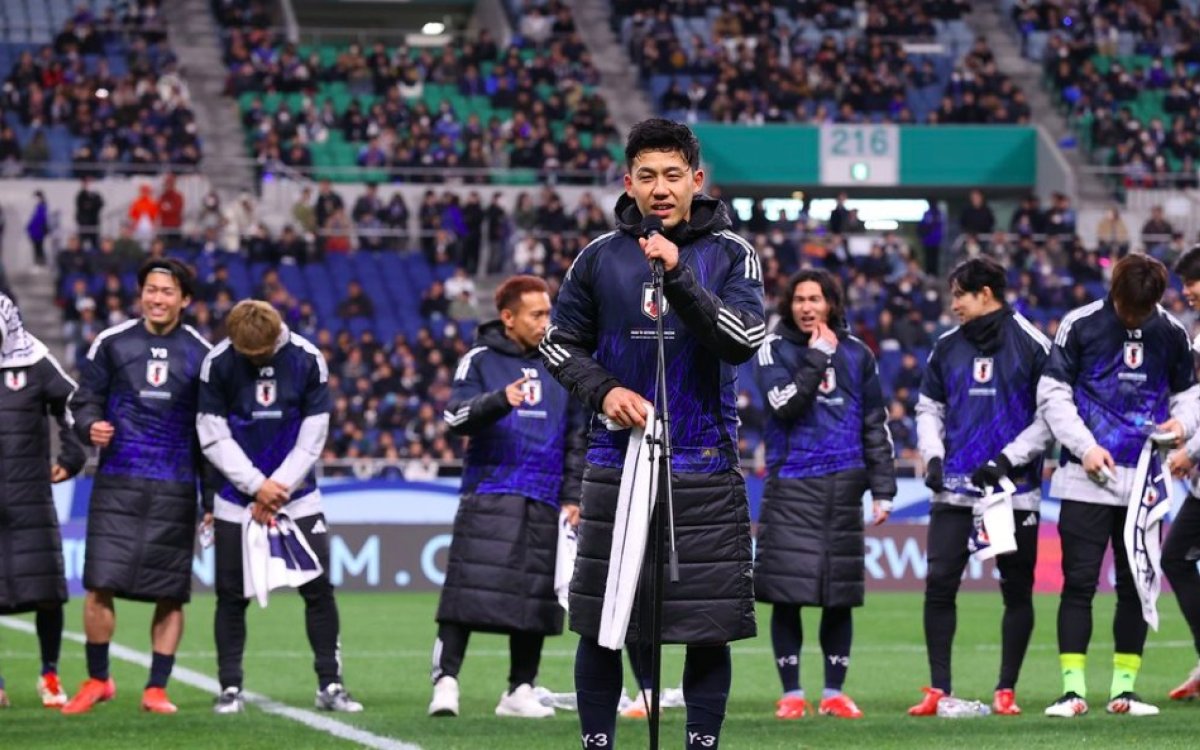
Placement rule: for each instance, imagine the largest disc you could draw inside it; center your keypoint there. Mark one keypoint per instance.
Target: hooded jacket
(35, 386)
(603, 331)
(534, 449)
(825, 413)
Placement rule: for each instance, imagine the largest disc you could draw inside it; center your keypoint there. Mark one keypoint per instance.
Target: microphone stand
(663, 518)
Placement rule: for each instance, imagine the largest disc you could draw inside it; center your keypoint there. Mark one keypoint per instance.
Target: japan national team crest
(828, 381)
(532, 389)
(984, 369)
(1134, 355)
(14, 379)
(649, 308)
(157, 371)
(265, 392)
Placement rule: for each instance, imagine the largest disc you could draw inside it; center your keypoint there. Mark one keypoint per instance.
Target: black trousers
(320, 607)
(524, 652)
(1086, 530)
(949, 529)
(1179, 556)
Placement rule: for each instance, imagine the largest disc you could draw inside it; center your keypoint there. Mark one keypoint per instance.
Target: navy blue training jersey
(512, 451)
(265, 405)
(823, 431)
(147, 387)
(603, 334)
(1122, 380)
(987, 399)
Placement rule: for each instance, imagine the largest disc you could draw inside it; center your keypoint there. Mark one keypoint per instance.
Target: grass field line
(265, 703)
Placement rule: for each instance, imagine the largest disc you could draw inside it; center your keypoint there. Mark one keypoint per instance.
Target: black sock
(837, 632)
(787, 636)
(707, 673)
(598, 678)
(160, 669)
(49, 633)
(97, 660)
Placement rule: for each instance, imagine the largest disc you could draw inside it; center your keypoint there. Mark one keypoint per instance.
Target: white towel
(564, 558)
(639, 486)
(1149, 502)
(995, 531)
(275, 556)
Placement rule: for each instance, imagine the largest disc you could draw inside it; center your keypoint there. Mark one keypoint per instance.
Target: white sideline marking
(265, 703)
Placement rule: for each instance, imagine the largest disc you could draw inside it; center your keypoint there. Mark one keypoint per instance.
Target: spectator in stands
(1027, 219)
(367, 203)
(210, 215)
(931, 231)
(903, 430)
(977, 217)
(328, 201)
(1112, 235)
(171, 207)
(36, 153)
(434, 305)
(357, 304)
(837, 217)
(144, 214)
(88, 205)
(304, 213)
(1156, 232)
(10, 153)
(38, 227)
(372, 234)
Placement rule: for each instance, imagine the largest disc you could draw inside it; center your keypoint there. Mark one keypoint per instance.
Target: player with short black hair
(137, 403)
(976, 423)
(523, 463)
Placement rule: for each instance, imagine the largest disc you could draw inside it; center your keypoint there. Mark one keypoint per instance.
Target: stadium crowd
(107, 94)
(411, 111)
(755, 63)
(1127, 78)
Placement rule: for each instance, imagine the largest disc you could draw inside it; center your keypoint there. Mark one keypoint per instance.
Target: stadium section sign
(859, 155)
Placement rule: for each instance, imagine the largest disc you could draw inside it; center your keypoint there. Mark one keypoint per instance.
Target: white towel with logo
(631, 527)
(564, 558)
(995, 530)
(275, 556)
(1149, 502)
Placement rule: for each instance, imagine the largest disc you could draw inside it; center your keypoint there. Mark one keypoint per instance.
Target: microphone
(652, 225)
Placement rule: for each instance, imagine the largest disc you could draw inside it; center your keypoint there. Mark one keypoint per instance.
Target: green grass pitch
(387, 638)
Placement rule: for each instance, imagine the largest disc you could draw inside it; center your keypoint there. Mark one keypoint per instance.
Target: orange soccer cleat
(155, 700)
(1189, 690)
(1004, 703)
(791, 707)
(928, 704)
(90, 693)
(841, 706)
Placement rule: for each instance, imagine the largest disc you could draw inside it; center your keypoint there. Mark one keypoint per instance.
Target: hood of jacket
(708, 215)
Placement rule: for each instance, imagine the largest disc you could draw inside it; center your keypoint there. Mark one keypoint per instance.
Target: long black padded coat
(145, 501)
(33, 387)
(827, 444)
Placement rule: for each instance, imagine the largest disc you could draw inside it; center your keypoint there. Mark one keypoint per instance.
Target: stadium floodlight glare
(860, 171)
(101, 93)
(433, 28)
